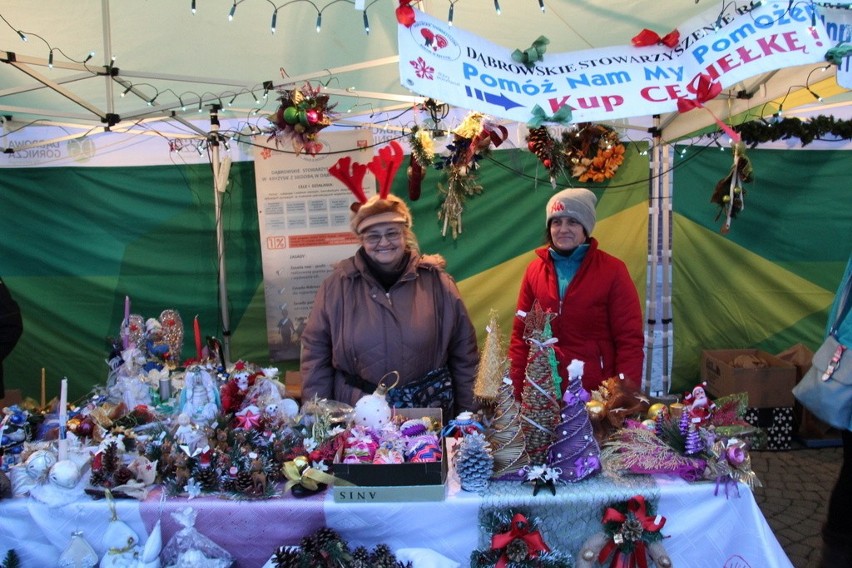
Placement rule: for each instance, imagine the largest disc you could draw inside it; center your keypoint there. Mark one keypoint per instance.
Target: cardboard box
(775, 425)
(394, 482)
(767, 387)
(389, 494)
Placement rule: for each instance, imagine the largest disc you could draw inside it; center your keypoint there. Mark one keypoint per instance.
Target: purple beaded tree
(575, 451)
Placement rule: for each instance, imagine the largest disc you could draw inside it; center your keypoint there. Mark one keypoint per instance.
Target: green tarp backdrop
(76, 241)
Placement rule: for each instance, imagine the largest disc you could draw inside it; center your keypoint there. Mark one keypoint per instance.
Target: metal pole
(653, 242)
(666, 212)
(219, 187)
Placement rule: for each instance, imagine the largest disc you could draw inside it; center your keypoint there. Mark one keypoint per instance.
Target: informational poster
(303, 214)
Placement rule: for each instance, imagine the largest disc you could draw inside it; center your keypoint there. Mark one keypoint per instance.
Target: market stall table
(704, 528)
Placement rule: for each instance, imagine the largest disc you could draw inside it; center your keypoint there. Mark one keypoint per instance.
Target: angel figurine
(200, 398)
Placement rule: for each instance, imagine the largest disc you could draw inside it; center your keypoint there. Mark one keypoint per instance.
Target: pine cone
(98, 478)
(207, 478)
(111, 459)
(123, 475)
(243, 483)
(517, 550)
(474, 463)
(286, 557)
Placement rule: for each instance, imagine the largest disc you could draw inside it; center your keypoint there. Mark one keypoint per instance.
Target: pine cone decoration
(123, 475)
(98, 478)
(207, 478)
(473, 462)
(286, 557)
(541, 143)
(110, 458)
(361, 558)
(243, 483)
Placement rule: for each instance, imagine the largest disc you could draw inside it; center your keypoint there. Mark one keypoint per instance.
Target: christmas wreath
(516, 542)
(301, 114)
(631, 534)
(588, 152)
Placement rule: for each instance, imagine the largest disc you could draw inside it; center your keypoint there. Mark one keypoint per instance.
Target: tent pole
(666, 212)
(219, 182)
(653, 242)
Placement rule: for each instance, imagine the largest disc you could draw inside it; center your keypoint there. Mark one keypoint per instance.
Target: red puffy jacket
(598, 322)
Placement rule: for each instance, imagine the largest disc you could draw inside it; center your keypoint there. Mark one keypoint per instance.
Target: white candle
(125, 326)
(63, 417)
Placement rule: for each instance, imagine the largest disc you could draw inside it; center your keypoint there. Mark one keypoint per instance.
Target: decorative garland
(589, 152)
(326, 548)
(817, 128)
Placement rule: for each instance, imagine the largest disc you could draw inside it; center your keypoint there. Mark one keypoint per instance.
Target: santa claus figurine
(698, 406)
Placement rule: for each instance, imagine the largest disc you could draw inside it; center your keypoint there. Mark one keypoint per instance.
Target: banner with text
(838, 28)
(715, 49)
(303, 217)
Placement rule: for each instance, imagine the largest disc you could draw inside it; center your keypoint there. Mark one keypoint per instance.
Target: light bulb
(366, 23)
(274, 20)
(319, 21)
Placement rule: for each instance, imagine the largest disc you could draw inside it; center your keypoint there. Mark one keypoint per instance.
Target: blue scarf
(567, 265)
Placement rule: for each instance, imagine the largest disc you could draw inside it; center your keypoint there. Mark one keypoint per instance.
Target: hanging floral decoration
(472, 140)
(516, 541)
(729, 193)
(301, 114)
(422, 156)
(587, 152)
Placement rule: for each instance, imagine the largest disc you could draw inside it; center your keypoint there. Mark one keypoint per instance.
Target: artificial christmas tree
(505, 434)
(540, 403)
(575, 452)
(492, 364)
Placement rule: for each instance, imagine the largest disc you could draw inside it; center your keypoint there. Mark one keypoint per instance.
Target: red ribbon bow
(535, 543)
(637, 558)
(649, 37)
(706, 90)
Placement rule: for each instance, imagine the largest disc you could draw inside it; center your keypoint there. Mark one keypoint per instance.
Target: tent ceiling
(159, 52)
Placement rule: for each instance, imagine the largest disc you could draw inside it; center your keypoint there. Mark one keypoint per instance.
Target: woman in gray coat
(388, 308)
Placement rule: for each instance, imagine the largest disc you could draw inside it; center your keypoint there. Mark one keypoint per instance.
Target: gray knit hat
(575, 202)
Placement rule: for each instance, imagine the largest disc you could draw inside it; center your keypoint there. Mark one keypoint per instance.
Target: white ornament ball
(39, 462)
(64, 473)
(372, 411)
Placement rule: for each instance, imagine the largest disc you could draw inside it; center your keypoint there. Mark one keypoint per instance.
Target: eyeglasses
(373, 239)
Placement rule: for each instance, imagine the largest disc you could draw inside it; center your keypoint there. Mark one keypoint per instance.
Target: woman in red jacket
(597, 316)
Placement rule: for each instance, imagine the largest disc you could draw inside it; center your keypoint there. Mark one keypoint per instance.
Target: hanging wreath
(588, 152)
(301, 114)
